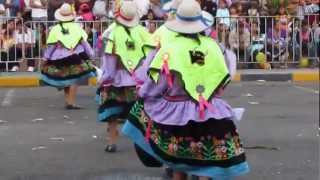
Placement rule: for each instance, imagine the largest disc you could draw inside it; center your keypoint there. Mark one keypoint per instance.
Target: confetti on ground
(57, 139)
(66, 117)
(261, 80)
(70, 122)
(253, 103)
(38, 148)
(299, 135)
(94, 136)
(248, 95)
(37, 119)
(3, 121)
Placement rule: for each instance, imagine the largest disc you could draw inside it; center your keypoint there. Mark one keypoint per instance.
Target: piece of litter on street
(94, 136)
(70, 122)
(253, 103)
(261, 80)
(38, 148)
(299, 135)
(3, 121)
(278, 172)
(66, 117)
(248, 95)
(57, 138)
(37, 119)
(308, 161)
(86, 117)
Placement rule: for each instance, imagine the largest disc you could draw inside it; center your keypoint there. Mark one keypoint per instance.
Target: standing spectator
(101, 8)
(239, 39)
(253, 11)
(300, 10)
(156, 5)
(86, 12)
(53, 5)
(38, 10)
(223, 14)
(284, 18)
(2, 13)
(311, 10)
(12, 7)
(234, 16)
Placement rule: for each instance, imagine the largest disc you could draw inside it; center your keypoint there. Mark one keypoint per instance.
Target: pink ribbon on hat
(119, 14)
(165, 69)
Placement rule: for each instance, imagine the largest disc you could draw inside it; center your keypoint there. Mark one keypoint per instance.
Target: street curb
(299, 76)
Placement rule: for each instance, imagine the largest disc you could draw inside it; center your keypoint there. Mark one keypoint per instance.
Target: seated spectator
(257, 41)
(149, 17)
(239, 39)
(7, 42)
(152, 27)
(276, 42)
(25, 44)
(223, 34)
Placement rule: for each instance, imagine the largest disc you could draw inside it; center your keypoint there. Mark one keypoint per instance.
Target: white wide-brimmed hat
(65, 13)
(127, 14)
(171, 6)
(190, 18)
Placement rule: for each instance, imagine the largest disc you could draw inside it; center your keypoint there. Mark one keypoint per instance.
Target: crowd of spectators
(245, 26)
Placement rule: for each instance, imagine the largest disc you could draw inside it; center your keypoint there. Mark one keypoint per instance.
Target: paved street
(39, 140)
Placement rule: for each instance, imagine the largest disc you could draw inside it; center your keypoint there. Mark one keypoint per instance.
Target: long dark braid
(63, 30)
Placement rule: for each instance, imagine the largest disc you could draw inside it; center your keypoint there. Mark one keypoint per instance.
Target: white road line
(8, 98)
(307, 89)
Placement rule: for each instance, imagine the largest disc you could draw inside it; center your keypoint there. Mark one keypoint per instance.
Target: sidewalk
(24, 79)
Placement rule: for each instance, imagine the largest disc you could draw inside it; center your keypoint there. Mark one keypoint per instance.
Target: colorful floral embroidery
(206, 148)
(67, 71)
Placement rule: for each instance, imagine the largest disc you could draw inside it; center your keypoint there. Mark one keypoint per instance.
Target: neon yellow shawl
(200, 77)
(71, 39)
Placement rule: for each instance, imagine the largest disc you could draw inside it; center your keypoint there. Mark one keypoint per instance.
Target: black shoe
(72, 107)
(169, 172)
(111, 148)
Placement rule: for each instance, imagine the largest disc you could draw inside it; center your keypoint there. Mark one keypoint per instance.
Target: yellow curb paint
(237, 77)
(92, 81)
(305, 76)
(19, 81)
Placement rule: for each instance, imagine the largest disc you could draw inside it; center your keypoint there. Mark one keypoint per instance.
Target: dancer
(124, 49)
(66, 60)
(182, 122)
